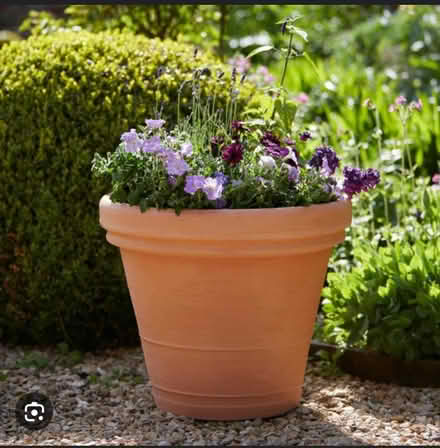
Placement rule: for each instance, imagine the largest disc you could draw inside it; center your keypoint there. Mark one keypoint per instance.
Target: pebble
(340, 410)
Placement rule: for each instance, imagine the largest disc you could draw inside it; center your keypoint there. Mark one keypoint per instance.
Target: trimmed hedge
(63, 97)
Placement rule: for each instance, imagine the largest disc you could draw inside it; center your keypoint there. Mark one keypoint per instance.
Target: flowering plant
(211, 159)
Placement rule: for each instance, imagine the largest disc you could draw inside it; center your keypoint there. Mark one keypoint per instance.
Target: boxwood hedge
(62, 97)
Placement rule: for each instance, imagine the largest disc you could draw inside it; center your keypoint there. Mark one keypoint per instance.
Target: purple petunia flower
(357, 180)
(233, 153)
(213, 188)
(325, 159)
(304, 136)
(152, 145)
(293, 174)
(222, 178)
(131, 140)
(176, 166)
(193, 183)
(273, 146)
(154, 124)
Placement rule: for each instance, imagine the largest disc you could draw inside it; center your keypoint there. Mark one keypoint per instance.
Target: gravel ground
(105, 399)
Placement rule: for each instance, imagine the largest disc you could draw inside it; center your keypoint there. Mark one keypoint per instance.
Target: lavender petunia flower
(325, 159)
(293, 173)
(357, 180)
(193, 183)
(176, 166)
(222, 178)
(154, 124)
(186, 149)
(213, 188)
(131, 140)
(152, 145)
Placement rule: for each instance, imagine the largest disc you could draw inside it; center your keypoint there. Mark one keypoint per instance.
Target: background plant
(64, 97)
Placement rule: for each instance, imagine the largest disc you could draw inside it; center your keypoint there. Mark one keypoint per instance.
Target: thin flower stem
(286, 62)
(379, 146)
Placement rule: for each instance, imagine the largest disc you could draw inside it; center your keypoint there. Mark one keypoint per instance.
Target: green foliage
(64, 97)
(406, 42)
(336, 105)
(153, 21)
(390, 300)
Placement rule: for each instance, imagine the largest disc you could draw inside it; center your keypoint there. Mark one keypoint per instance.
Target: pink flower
(302, 98)
(400, 100)
(436, 178)
(416, 104)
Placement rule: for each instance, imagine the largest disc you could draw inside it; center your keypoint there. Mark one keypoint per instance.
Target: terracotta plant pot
(225, 301)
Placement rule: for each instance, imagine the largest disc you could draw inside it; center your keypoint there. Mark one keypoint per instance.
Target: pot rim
(106, 201)
(224, 232)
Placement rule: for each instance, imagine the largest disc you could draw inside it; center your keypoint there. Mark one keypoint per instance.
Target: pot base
(216, 408)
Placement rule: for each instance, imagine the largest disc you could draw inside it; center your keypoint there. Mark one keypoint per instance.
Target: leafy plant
(213, 160)
(389, 302)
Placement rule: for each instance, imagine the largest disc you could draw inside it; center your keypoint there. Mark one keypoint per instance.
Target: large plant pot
(225, 301)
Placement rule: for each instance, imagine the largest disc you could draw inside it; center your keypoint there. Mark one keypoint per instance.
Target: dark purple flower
(233, 153)
(304, 136)
(371, 178)
(273, 146)
(270, 139)
(326, 159)
(216, 142)
(357, 180)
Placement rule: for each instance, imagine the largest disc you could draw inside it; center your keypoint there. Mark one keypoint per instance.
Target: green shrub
(390, 301)
(153, 21)
(62, 98)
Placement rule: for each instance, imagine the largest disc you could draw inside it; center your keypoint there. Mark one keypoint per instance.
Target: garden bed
(376, 367)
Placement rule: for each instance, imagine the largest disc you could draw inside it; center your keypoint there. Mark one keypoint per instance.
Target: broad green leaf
(260, 50)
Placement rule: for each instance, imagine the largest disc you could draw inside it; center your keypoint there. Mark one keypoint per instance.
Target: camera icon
(34, 411)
